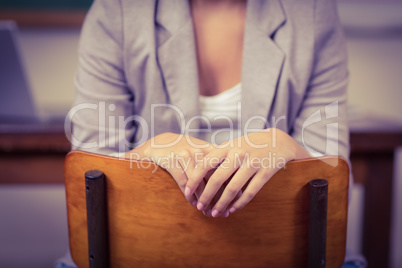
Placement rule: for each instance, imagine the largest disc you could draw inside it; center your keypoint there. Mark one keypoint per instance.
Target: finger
(225, 214)
(200, 189)
(181, 179)
(208, 213)
(209, 162)
(221, 174)
(236, 198)
(240, 178)
(188, 164)
(252, 189)
(186, 160)
(239, 194)
(215, 200)
(198, 193)
(208, 210)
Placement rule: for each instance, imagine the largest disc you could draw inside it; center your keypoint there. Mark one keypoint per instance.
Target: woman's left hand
(252, 159)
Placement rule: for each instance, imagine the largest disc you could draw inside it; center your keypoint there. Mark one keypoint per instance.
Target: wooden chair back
(150, 223)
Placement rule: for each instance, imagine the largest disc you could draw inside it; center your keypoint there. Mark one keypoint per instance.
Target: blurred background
(33, 221)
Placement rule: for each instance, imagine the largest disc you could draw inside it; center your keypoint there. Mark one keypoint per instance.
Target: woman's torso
(219, 32)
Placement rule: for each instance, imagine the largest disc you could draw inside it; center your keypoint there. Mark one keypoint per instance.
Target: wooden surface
(31, 168)
(370, 143)
(151, 224)
(44, 18)
(33, 158)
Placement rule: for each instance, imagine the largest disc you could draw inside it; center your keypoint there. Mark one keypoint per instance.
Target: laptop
(17, 106)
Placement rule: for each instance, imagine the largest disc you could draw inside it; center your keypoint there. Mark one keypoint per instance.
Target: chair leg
(97, 219)
(318, 223)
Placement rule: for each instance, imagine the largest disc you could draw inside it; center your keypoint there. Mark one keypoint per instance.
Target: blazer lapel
(262, 61)
(178, 59)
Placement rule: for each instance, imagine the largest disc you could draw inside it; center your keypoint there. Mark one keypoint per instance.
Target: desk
(372, 157)
(33, 158)
(39, 158)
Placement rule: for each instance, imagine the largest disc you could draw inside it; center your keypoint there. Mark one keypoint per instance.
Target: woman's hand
(177, 154)
(252, 159)
(208, 210)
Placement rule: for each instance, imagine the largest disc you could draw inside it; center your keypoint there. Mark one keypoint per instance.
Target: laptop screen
(16, 102)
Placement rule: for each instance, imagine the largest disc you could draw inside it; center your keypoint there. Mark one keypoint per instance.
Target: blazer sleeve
(103, 98)
(321, 124)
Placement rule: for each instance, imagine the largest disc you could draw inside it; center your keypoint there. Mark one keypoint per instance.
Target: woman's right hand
(176, 153)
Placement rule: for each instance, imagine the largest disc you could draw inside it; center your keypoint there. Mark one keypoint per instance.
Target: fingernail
(187, 191)
(232, 210)
(194, 203)
(200, 206)
(209, 213)
(215, 213)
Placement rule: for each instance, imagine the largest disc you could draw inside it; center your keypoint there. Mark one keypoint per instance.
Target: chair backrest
(150, 224)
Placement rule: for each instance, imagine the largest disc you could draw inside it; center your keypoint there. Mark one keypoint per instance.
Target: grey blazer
(136, 56)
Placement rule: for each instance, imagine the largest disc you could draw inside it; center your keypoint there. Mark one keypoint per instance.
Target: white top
(220, 116)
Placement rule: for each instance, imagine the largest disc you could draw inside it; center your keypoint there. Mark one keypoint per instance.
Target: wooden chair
(143, 220)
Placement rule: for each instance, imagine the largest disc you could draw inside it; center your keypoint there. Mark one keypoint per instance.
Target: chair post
(318, 223)
(97, 219)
